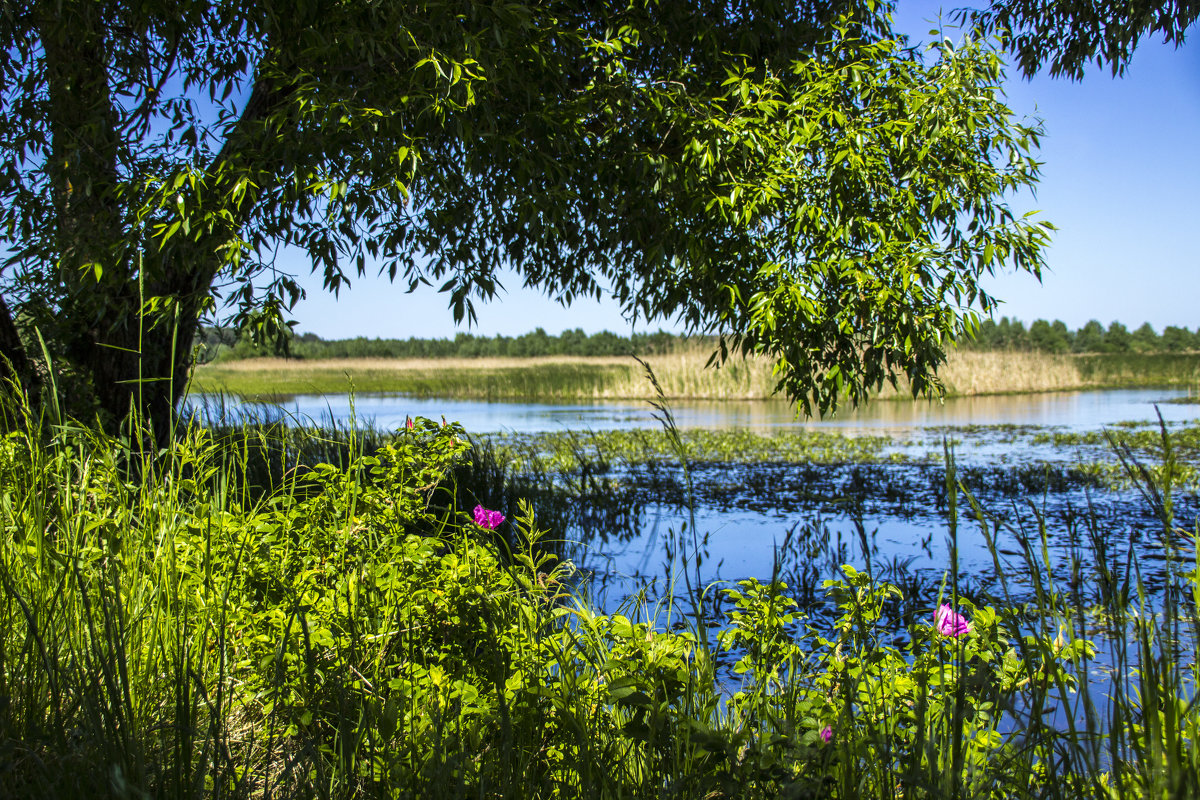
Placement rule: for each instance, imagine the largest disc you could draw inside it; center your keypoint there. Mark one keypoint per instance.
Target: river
(1066, 410)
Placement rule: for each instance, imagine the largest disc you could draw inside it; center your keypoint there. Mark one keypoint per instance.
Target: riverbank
(399, 626)
(682, 375)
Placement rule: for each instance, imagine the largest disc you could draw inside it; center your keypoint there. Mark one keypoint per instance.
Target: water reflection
(1068, 410)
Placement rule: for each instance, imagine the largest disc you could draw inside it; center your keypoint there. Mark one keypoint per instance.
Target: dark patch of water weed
(901, 490)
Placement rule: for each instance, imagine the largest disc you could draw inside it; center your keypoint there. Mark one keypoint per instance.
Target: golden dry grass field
(681, 375)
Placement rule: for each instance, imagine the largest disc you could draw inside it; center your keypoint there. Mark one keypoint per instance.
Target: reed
(969, 372)
(482, 379)
(683, 375)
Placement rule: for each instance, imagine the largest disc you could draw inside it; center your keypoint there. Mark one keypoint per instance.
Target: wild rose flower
(827, 734)
(950, 623)
(488, 519)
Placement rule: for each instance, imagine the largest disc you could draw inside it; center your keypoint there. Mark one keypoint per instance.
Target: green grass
(1145, 369)
(546, 381)
(176, 627)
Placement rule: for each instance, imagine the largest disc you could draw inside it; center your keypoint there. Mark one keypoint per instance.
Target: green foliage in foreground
(355, 634)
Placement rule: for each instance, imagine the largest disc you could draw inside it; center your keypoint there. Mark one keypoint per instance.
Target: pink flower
(488, 519)
(950, 623)
(408, 423)
(827, 734)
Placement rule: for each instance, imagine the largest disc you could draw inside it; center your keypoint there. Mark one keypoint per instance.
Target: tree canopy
(1065, 36)
(791, 176)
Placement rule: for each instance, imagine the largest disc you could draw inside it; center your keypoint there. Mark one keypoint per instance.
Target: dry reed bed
(974, 373)
(286, 366)
(684, 374)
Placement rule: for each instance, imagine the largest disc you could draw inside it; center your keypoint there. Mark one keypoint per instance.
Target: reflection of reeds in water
(683, 374)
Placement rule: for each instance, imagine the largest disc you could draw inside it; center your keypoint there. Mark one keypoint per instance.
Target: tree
(1062, 333)
(787, 175)
(1177, 339)
(1117, 338)
(1015, 335)
(1090, 338)
(1049, 338)
(986, 336)
(1145, 339)
(1068, 35)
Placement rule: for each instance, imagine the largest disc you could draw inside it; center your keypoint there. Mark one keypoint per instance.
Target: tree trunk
(140, 373)
(125, 362)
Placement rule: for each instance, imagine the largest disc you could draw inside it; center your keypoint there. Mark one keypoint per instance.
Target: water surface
(1066, 410)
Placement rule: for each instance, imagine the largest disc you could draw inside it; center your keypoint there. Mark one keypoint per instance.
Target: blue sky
(1121, 180)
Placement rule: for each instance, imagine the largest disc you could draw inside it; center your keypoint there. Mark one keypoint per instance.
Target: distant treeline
(219, 344)
(1056, 337)
(223, 343)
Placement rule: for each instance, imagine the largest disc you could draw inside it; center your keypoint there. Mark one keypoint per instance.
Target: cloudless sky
(1121, 180)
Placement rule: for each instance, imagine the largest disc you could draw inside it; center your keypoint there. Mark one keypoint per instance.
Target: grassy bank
(981, 373)
(682, 375)
(356, 632)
